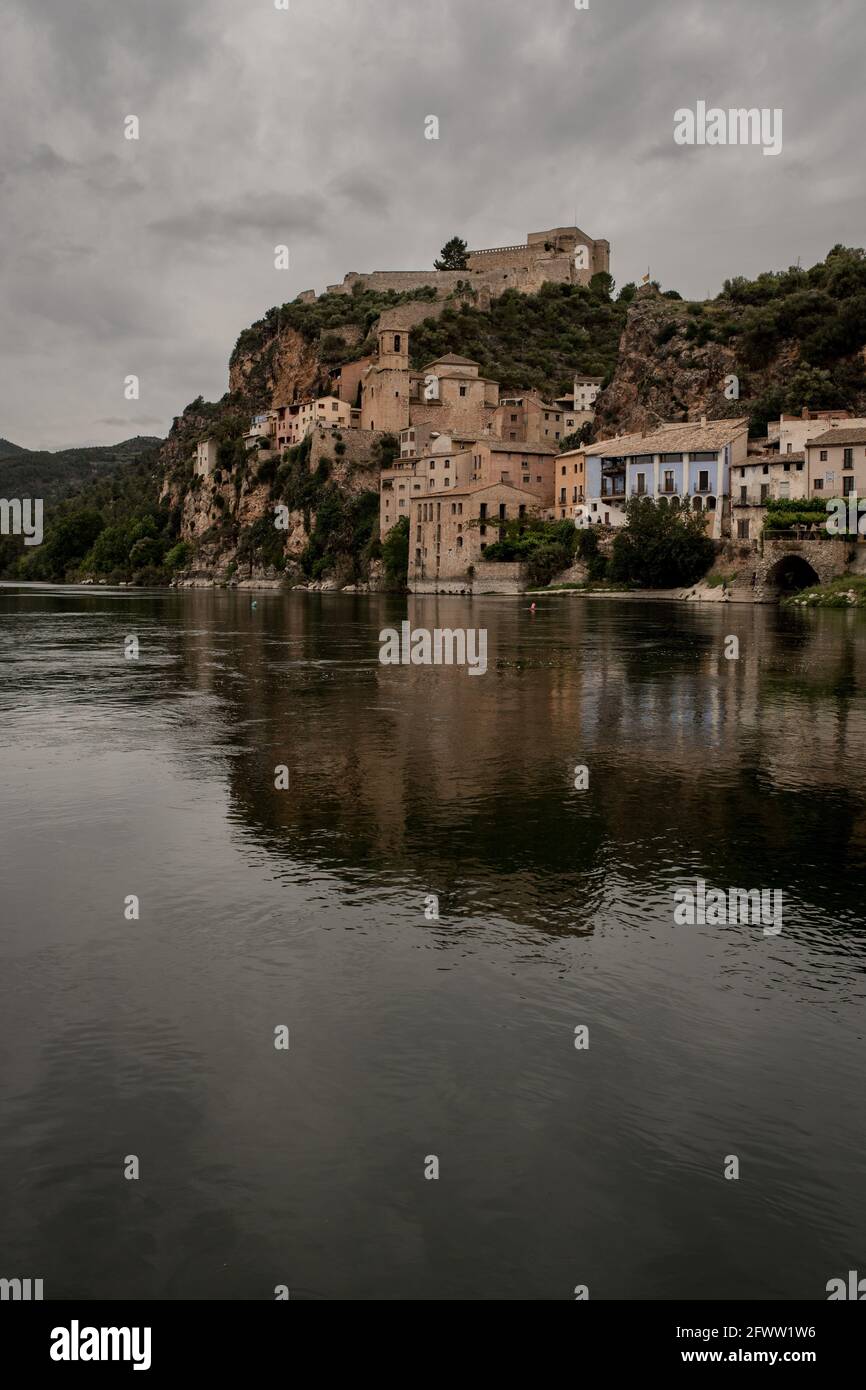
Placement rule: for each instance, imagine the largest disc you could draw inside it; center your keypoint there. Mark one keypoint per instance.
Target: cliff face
(671, 366)
(286, 367)
(662, 374)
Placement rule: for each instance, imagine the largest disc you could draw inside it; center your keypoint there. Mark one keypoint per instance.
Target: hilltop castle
(562, 254)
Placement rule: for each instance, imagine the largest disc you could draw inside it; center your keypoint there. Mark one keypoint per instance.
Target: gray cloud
(307, 127)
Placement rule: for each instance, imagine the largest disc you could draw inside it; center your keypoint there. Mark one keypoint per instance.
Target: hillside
(51, 476)
(7, 449)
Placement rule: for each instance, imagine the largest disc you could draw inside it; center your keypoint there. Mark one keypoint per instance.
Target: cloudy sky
(260, 126)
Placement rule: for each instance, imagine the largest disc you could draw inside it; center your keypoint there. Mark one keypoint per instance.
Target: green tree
(454, 255)
(395, 552)
(660, 547)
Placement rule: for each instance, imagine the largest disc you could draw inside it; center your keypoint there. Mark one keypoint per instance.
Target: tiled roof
(452, 360)
(838, 436)
(673, 439)
(515, 447)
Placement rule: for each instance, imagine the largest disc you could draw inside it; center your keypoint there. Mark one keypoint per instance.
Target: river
(431, 908)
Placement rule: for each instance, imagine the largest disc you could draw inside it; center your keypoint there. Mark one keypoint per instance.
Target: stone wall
(358, 467)
(487, 579)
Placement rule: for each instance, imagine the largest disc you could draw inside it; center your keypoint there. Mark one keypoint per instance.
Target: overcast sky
(261, 127)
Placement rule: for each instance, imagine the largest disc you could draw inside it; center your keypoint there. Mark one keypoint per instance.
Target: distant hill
(7, 448)
(52, 476)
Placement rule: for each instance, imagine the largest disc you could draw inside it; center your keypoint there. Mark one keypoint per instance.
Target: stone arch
(791, 573)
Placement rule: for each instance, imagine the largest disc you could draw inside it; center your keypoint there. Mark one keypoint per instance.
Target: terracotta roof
(515, 447)
(754, 459)
(452, 360)
(692, 437)
(838, 436)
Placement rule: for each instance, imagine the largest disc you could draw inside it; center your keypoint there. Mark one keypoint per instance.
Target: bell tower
(393, 349)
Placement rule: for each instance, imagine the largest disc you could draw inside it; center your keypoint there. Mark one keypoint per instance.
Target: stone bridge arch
(783, 566)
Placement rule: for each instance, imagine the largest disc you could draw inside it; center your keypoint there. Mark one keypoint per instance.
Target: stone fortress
(565, 255)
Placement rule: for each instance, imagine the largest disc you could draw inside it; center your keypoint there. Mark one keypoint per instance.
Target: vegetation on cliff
(530, 341)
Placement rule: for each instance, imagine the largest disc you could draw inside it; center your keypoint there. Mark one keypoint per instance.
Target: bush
(179, 556)
(545, 561)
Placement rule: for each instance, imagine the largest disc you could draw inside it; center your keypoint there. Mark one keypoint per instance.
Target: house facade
(448, 534)
(686, 464)
(836, 462)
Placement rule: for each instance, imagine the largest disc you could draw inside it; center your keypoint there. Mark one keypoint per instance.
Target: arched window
(711, 504)
(696, 504)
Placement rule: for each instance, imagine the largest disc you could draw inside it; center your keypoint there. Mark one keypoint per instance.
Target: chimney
(703, 422)
(804, 414)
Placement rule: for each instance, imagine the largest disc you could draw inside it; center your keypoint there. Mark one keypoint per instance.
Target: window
(669, 480)
(521, 510)
(847, 486)
(482, 511)
(818, 484)
(563, 470)
(574, 494)
(704, 457)
(823, 456)
(787, 467)
(641, 484)
(704, 480)
(397, 342)
(765, 470)
(765, 491)
(847, 458)
(562, 494)
(743, 530)
(790, 449)
(463, 390)
(671, 458)
(501, 511)
(547, 417)
(744, 494)
(514, 422)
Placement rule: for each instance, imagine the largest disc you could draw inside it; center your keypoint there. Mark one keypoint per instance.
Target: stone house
(447, 464)
(294, 422)
(205, 458)
(448, 534)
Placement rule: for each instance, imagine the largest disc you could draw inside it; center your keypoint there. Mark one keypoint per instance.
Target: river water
(413, 1038)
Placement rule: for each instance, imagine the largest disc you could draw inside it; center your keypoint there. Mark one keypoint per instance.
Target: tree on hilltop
(454, 255)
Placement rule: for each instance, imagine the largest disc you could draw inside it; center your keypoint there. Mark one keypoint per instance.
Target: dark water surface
(410, 1037)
